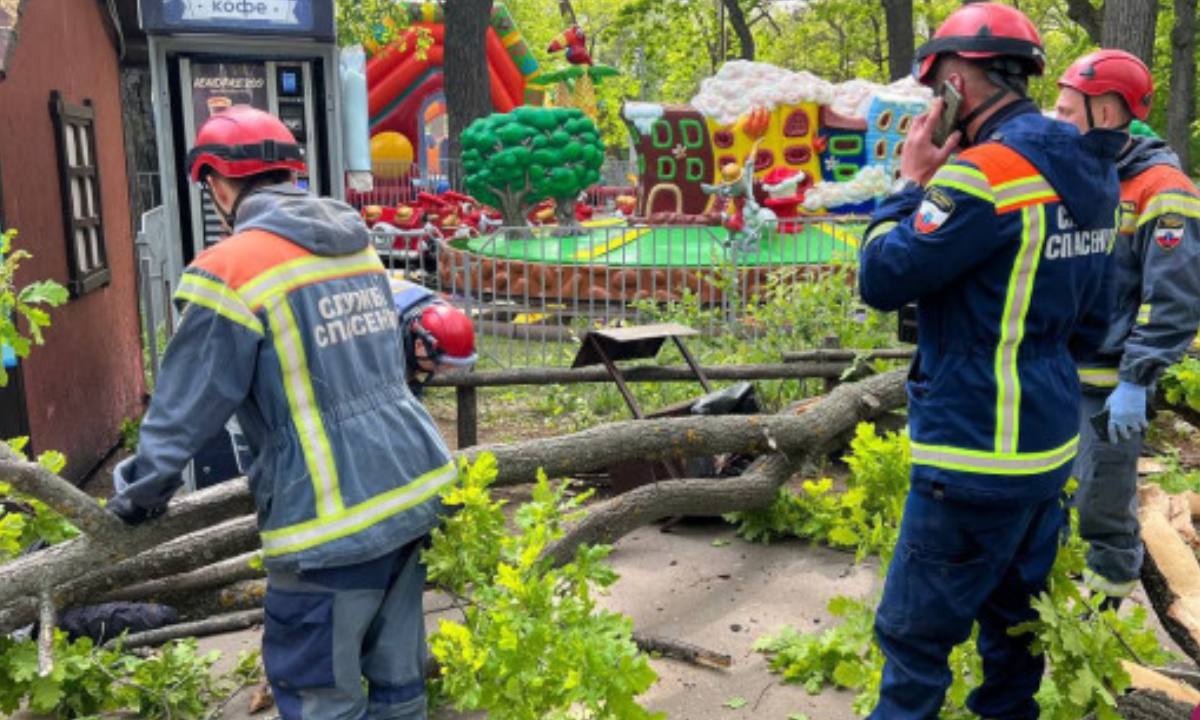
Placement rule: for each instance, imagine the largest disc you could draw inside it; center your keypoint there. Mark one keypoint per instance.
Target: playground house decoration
(835, 148)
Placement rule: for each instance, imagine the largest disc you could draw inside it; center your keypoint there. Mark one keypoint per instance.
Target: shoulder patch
(1168, 231)
(935, 209)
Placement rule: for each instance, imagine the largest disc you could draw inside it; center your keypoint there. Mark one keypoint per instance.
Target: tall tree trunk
(1181, 109)
(900, 36)
(1129, 25)
(1089, 17)
(737, 19)
(468, 90)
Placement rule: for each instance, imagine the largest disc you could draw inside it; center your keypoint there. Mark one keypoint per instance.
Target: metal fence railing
(532, 291)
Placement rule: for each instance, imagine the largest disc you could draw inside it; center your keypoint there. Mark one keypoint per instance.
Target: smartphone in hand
(952, 101)
(1099, 423)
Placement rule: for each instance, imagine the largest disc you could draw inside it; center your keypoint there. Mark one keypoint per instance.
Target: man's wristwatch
(901, 184)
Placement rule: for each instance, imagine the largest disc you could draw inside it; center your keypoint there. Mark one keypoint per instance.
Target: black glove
(129, 512)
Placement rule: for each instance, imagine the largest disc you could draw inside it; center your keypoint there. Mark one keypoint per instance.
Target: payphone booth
(206, 55)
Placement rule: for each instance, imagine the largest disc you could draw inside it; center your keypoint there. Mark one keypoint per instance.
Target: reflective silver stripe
(1099, 583)
(966, 179)
(1012, 329)
(303, 405)
(1019, 190)
(1167, 203)
(219, 298)
(357, 518)
(307, 270)
(985, 463)
(879, 230)
(1099, 377)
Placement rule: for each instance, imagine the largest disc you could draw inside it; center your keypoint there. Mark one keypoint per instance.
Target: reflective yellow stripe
(879, 230)
(1098, 377)
(965, 179)
(318, 457)
(219, 298)
(1099, 583)
(1143, 315)
(993, 463)
(307, 270)
(1012, 328)
(359, 517)
(1170, 204)
(1016, 192)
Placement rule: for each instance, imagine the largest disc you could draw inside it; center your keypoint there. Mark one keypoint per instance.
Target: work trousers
(1107, 503)
(956, 564)
(326, 630)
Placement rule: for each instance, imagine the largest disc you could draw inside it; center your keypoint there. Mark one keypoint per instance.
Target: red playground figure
(575, 43)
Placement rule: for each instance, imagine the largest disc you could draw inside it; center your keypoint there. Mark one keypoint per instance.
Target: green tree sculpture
(514, 160)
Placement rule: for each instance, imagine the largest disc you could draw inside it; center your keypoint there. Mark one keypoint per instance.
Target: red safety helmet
(244, 141)
(448, 334)
(984, 30)
(1112, 71)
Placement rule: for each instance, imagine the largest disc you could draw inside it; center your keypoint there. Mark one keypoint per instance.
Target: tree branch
(78, 507)
(1088, 16)
(225, 572)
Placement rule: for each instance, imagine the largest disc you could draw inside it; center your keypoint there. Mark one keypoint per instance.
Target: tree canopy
(666, 48)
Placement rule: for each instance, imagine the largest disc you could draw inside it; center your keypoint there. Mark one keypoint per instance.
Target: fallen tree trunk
(1170, 573)
(202, 628)
(86, 568)
(678, 438)
(225, 572)
(180, 555)
(805, 435)
(241, 595)
(58, 565)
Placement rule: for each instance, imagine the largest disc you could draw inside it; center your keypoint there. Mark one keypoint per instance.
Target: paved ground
(679, 585)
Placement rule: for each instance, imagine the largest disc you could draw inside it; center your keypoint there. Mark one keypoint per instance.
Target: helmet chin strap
(229, 218)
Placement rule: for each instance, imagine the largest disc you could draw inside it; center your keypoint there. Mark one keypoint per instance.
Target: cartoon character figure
(627, 205)
(786, 188)
(742, 216)
(575, 43)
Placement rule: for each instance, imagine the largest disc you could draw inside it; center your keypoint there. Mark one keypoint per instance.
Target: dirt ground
(682, 586)
(697, 583)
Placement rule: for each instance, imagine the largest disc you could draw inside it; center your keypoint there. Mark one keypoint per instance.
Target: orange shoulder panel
(999, 163)
(1141, 188)
(245, 256)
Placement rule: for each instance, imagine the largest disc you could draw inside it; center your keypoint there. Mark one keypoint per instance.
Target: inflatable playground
(765, 169)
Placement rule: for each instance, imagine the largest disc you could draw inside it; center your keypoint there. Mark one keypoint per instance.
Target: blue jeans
(325, 630)
(957, 564)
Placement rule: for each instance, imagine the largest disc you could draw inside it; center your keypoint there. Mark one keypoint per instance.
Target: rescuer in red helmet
(289, 325)
(1004, 249)
(1155, 310)
(437, 335)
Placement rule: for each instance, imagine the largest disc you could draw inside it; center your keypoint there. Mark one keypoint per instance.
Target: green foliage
(531, 154)
(174, 682)
(533, 643)
(373, 23)
(1180, 384)
(843, 655)
(25, 520)
(864, 517)
(28, 303)
(1175, 478)
(130, 430)
(1084, 649)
